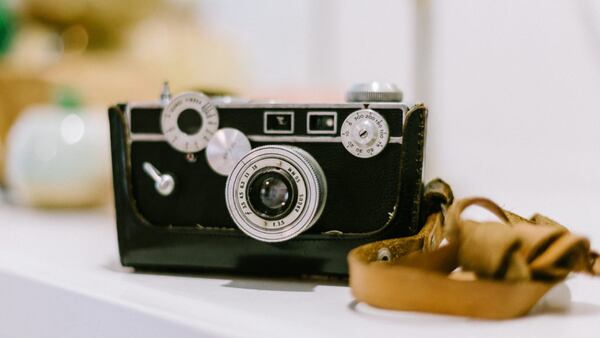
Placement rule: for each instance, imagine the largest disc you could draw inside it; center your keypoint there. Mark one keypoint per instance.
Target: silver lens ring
(304, 178)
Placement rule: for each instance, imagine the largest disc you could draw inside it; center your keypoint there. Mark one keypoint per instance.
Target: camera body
(225, 184)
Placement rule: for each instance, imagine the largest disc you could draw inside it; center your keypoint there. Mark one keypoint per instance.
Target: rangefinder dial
(225, 149)
(365, 133)
(189, 121)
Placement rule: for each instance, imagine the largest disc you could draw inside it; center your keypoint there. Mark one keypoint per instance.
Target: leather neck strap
(512, 264)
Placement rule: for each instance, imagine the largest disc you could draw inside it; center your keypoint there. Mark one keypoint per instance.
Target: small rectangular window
(279, 122)
(321, 122)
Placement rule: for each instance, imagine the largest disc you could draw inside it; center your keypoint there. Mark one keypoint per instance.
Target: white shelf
(60, 277)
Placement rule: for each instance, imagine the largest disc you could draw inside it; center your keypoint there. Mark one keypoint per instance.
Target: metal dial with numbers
(365, 133)
(189, 121)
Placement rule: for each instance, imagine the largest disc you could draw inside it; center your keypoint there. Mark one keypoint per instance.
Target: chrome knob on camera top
(374, 92)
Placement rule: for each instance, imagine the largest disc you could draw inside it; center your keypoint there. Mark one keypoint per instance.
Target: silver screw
(384, 254)
(191, 157)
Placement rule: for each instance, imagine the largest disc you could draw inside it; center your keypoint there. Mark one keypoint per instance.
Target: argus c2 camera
(242, 186)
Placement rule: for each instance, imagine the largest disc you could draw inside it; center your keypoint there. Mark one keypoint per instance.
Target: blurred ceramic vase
(58, 157)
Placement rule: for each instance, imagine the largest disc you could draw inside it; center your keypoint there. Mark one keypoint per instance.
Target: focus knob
(374, 92)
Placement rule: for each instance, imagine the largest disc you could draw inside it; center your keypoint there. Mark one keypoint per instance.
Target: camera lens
(271, 194)
(274, 193)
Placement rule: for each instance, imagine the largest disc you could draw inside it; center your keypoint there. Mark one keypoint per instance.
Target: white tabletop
(60, 276)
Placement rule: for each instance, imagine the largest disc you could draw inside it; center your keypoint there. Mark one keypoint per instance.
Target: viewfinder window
(321, 123)
(279, 122)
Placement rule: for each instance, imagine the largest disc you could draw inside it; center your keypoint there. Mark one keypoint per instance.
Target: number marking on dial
(365, 133)
(194, 113)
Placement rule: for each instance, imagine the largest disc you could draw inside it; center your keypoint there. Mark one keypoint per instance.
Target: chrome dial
(225, 149)
(365, 133)
(189, 121)
(374, 92)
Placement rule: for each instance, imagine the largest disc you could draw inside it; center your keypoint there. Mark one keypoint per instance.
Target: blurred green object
(7, 28)
(68, 98)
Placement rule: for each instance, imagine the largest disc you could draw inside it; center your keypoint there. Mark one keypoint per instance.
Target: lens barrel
(276, 192)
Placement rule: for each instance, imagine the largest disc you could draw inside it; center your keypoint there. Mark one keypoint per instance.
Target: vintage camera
(257, 187)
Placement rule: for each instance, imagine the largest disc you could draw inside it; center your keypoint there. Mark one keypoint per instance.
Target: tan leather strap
(505, 267)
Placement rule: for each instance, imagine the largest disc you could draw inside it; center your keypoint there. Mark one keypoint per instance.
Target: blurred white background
(512, 88)
(512, 85)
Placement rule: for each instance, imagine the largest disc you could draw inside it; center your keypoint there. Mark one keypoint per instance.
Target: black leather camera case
(368, 199)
